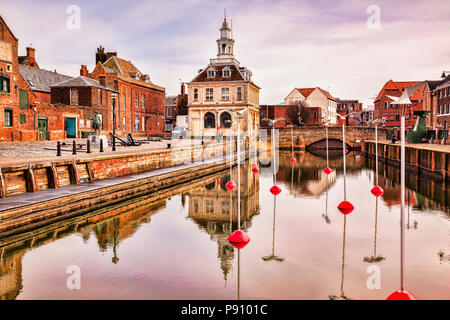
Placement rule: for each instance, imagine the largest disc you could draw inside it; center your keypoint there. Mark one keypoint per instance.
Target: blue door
(71, 127)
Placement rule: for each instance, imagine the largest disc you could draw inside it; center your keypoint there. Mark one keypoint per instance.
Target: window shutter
(23, 98)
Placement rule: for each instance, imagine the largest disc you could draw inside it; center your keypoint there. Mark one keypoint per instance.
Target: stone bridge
(314, 137)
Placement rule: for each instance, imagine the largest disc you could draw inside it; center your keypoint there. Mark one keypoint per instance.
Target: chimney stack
(31, 57)
(182, 89)
(83, 70)
(100, 56)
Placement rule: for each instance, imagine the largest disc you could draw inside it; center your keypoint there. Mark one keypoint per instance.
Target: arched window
(223, 48)
(225, 120)
(209, 120)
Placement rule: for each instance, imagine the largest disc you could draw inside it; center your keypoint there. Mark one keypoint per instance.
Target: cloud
(285, 43)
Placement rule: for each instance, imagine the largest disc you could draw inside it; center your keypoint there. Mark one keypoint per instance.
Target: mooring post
(58, 149)
(101, 145)
(88, 146)
(113, 143)
(74, 147)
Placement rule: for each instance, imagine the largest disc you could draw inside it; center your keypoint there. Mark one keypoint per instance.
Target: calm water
(177, 248)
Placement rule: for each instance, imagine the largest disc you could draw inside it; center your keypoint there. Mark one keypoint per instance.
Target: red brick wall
(153, 112)
(11, 100)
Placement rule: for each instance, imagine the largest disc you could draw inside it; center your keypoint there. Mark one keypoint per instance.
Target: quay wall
(430, 163)
(55, 174)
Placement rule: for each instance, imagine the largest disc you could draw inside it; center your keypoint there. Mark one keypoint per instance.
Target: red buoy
(275, 190)
(346, 151)
(345, 207)
(230, 185)
(401, 295)
(327, 170)
(239, 239)
(377, 191)
(293, 159)
(255, 169)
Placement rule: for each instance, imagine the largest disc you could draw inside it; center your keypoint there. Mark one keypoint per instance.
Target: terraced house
(221, 90)
(140, 104)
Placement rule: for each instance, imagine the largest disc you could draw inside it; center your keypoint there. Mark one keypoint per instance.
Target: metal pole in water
(239, 175)
(273, 154)
(343, 152)
(326, 134)
(376, 154)
(402, 206)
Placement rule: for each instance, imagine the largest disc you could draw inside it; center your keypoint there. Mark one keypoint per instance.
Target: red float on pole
(401, 295)
(239, 239)
(327, 170)
(377, 191)
(293, 159)
(255, 169)
(275, 190)
(345, 207)
(230, 185)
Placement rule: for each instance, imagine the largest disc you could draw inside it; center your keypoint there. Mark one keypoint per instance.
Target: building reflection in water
(209, 208)
(109, 228)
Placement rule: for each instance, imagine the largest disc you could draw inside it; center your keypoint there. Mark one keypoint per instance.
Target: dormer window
(211, 73)
(226, 72)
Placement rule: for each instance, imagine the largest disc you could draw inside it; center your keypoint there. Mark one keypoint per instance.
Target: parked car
(179, 133)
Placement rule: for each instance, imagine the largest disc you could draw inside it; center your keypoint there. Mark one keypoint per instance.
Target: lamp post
(239, 239)
(114, 96)
(403, 101)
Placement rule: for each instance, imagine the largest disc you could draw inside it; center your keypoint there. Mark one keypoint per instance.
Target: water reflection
(214, 209)
(308, 271)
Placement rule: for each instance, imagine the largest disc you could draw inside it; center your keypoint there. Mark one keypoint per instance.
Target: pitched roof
(126, 71)
(170, 100)
(235, 74)
(397, 87)
(4, 22)
(40, 79)
(307, 91)
(82, 81)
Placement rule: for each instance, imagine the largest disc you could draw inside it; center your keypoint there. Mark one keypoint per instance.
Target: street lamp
(114, 96)
(403, 101)
(239, 239)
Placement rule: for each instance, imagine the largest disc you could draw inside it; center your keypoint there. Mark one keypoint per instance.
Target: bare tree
(298, 113)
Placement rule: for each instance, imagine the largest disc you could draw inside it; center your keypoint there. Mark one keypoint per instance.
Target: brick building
(315, 98)
(140, 106)
(389, 113)
(16, 113)
(351, 109)
(442, 94)
(310, 116)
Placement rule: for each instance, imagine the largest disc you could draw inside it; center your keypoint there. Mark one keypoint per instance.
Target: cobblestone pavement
(17, 153)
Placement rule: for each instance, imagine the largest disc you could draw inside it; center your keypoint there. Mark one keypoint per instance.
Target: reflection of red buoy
(275, 190)
(230, 185)
(401, 295)
(346, 151)
(327, 170)
(345, 207)
(239, 239)
(255, 169)
(377, 191)
(293, 159)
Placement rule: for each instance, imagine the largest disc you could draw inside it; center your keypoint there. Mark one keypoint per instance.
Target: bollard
(101, 145)
(88, 146)
(113, 143)
(168, 146)
(74, 147)
(58, 149)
